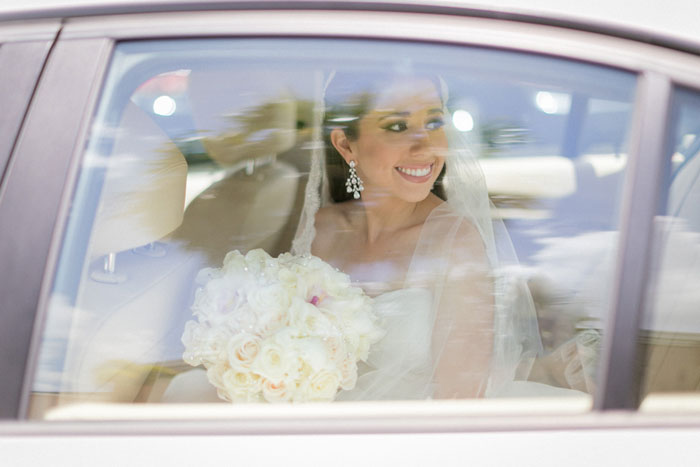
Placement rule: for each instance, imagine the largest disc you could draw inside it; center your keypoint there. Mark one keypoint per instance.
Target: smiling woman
(429, 263)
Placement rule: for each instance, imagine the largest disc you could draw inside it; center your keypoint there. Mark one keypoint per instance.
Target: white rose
(313, 352)
(203, 344)
(348, 373)
(288, 280)
(309, 319)
(256, 260)
(215, 374)
(192, 338)
(269, 305)
(335, 348)
(271, 362)
(322, 386)
(234, 260)
(241, 385)
(243, 348)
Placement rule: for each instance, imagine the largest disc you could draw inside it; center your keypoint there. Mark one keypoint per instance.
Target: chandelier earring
(353, 184)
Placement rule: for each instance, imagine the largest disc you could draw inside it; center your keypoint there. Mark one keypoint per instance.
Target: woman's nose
(420, 136)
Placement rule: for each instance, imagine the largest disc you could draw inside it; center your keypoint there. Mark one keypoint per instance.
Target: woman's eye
(435, 123)
(397, 127)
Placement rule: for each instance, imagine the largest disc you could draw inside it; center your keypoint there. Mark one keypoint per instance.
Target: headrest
(143, 194)
(242, 116)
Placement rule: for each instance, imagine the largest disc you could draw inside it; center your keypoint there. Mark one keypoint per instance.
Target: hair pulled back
(349, 97)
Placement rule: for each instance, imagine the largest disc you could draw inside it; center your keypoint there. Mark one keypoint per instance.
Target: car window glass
(669, 335)
(208, 159)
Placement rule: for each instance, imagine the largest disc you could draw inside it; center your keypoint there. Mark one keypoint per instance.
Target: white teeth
(415, 172)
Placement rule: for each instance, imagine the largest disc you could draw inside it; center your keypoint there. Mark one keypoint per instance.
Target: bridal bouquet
(290, 328)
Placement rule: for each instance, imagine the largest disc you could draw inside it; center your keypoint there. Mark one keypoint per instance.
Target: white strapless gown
(400, 365)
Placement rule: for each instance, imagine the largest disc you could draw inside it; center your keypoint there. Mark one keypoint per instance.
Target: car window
(241, 229)
(669, 336)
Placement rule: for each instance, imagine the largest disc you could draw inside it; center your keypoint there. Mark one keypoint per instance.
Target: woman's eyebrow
(408, 114)
(395, 114)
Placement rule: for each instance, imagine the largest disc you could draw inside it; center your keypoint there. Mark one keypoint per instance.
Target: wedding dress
(418, 315)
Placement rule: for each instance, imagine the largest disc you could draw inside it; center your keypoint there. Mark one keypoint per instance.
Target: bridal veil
(405, 372)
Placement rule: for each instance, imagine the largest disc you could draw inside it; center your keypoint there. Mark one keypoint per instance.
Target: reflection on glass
(670, 335)
(474, 262)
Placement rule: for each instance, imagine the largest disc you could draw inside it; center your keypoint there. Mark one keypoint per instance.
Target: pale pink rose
(279, 391)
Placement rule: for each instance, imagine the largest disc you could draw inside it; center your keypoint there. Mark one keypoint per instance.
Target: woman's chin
(416, 196)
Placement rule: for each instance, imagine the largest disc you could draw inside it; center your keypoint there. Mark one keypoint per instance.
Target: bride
(395, 201)
(402, 208)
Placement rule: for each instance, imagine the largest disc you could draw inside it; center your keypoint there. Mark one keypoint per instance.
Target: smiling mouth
(416, 174)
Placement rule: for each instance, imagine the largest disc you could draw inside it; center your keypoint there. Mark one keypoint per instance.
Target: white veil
(515, 338)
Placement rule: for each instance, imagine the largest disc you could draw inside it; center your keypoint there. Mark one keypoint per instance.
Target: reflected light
(553, 102)
(462, 120)
(164, 105)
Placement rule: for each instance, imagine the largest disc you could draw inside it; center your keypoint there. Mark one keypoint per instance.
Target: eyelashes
(402, 125)
(435, 123)
(396, 127)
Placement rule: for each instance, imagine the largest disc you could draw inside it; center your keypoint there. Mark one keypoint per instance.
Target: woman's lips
(416, 173)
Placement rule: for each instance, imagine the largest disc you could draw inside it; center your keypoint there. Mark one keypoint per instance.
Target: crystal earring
(353, 184)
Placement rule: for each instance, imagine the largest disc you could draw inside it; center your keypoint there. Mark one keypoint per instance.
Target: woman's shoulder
(457, 229)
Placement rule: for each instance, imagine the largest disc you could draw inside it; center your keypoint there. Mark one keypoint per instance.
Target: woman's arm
(463, 332)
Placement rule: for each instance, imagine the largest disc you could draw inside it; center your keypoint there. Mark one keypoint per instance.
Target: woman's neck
(382, 214)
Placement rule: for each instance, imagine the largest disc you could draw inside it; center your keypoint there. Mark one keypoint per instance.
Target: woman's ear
(342, 144)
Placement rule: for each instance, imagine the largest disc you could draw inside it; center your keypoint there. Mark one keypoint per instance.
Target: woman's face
(401, 144)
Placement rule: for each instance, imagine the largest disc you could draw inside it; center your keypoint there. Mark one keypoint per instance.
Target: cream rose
(322, 385)
(241, 385)
(271, 362)
(242, 350)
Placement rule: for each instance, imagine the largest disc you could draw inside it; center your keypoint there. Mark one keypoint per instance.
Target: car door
(545, 154)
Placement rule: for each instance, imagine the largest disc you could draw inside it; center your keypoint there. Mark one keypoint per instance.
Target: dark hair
(348, 97)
